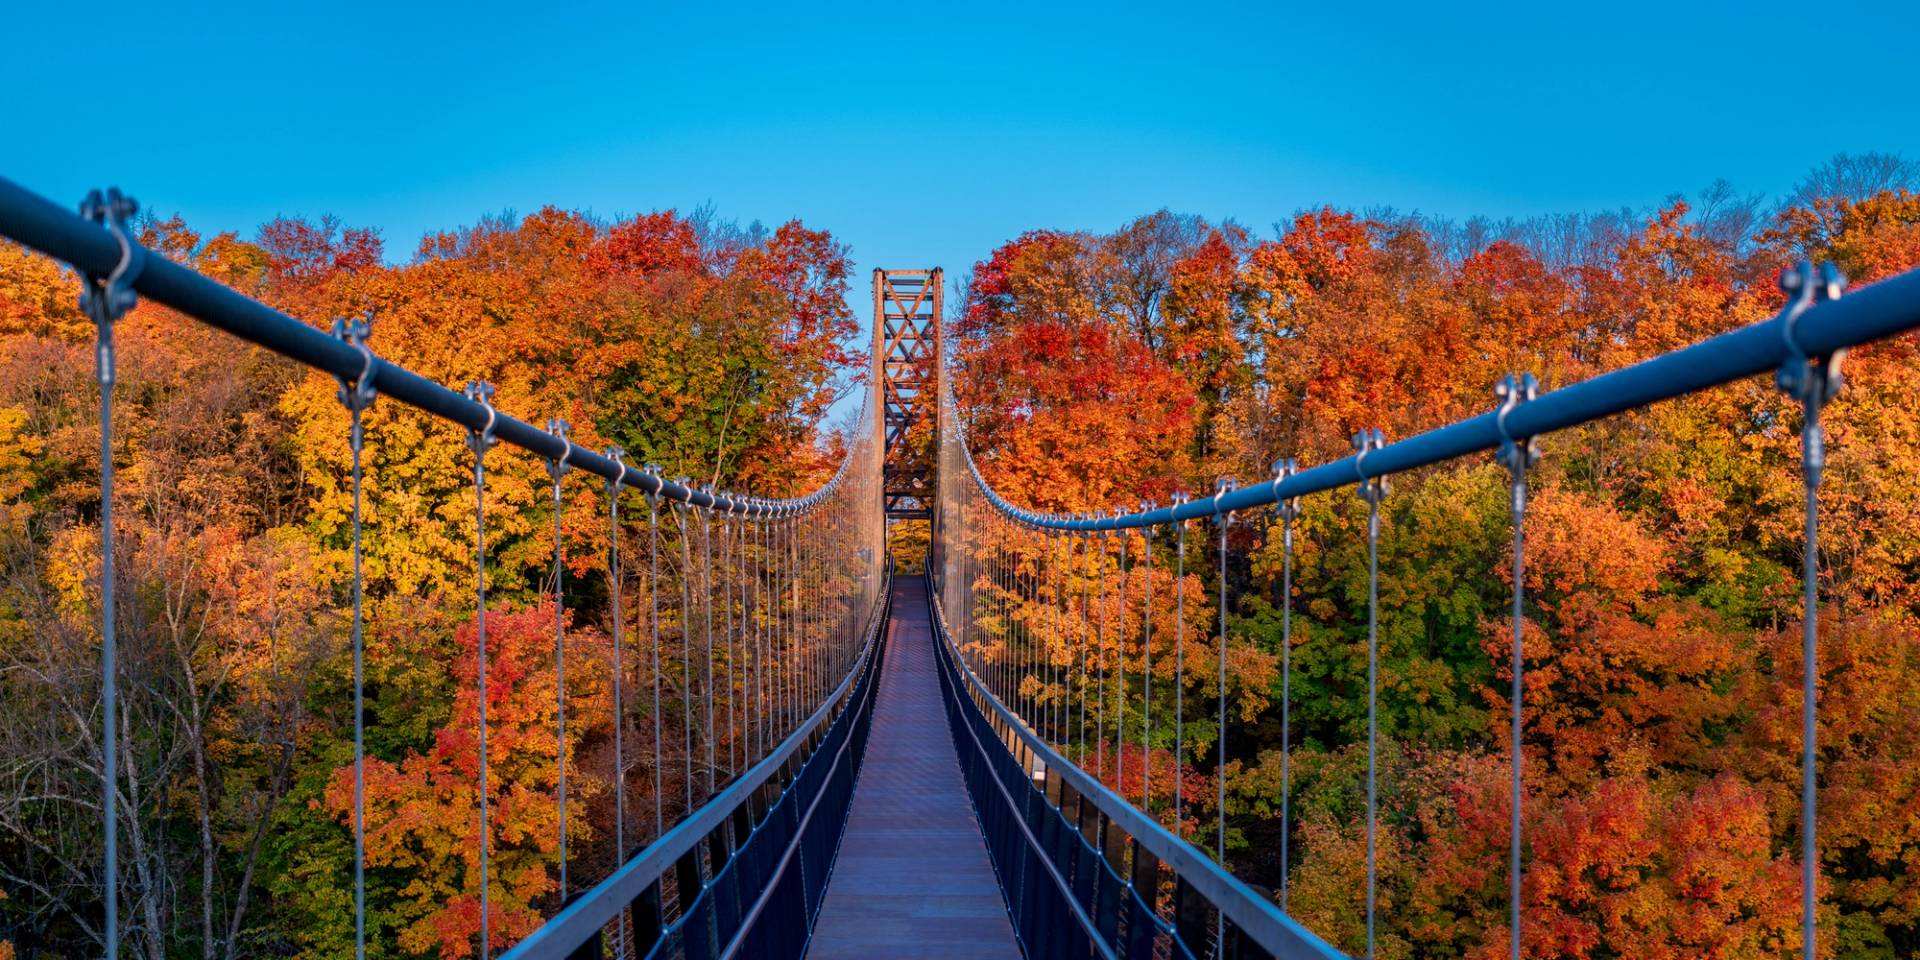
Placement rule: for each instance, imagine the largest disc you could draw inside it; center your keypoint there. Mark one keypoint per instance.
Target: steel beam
(906, 358)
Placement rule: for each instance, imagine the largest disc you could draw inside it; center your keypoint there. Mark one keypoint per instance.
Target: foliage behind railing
(765, 604)
(1058, 613)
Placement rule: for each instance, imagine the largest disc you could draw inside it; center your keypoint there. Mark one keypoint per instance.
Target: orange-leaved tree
(423, 818)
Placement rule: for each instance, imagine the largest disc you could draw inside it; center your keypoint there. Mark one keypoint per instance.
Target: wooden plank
(912, 878)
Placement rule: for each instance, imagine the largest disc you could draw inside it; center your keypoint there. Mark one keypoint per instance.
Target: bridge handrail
(1256, 916)
(1874, 312)
(599, 906)
(1803, 345)
(36, 222)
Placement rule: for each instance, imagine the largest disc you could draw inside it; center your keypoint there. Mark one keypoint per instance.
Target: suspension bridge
(885, 764)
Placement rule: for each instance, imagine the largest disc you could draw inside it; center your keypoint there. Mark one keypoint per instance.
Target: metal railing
(804, 576)
(1086, 870)
(745, 873)
(1026, 645)
(1088, 882)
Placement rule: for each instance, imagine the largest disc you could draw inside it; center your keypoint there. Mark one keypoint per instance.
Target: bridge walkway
(912, 878)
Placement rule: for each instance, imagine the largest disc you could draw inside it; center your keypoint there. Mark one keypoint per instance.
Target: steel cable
(653, 630)
(479, 441)
(1372, 490)
(615, 589)
(1179, 664)
(356, 394)
(556, 468)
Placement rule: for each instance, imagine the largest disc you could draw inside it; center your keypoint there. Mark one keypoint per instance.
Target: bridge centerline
(912, 866)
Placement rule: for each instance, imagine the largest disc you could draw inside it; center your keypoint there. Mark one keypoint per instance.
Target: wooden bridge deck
(912, 878)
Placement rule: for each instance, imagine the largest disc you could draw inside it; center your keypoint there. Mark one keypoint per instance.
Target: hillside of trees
(1662, 625)
(1094, 370)
(710, 350)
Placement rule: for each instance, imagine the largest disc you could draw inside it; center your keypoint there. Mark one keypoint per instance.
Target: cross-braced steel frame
(906, 357)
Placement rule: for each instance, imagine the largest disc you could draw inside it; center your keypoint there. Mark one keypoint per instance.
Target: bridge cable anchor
(619, 457)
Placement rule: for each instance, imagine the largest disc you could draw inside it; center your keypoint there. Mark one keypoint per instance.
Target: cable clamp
(1809, 379)
(1516, 453)
(357, 392)
(1373, 489)
(619, 457)
(558, 467)
(1285, 469)
(107, 299)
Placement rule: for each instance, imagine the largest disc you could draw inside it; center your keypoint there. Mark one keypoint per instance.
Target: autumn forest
(1093, 370)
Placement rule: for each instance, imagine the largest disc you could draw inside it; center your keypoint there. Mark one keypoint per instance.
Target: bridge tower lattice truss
(906, 359)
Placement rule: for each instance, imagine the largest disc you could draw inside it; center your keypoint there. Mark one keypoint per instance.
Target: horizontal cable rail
(809, 569)
(787, 594)
(1254, 917)
(1026, 587)
(1884, 309)
(38, 223)
(637, 882)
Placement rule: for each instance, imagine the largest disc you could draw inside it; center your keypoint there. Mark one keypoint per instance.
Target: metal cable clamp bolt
(1372, 489)
(1288, 508)
(482, 440)
(106, 299)
(357, 392)
(558, 466)
(1516, 453)
(1809, 379)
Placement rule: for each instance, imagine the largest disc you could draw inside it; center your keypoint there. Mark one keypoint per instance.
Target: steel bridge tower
(906, 363)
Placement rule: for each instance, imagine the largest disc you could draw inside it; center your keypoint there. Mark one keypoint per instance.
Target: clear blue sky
(926, 134)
